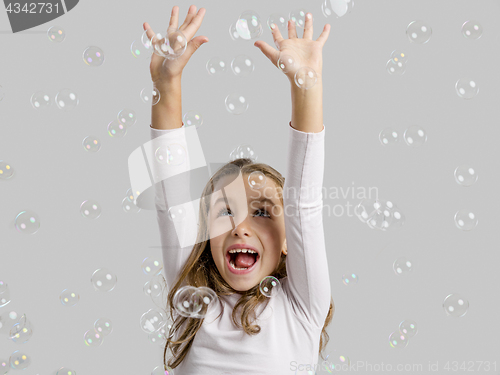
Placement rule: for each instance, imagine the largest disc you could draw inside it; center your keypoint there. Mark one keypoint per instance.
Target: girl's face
(247, 217)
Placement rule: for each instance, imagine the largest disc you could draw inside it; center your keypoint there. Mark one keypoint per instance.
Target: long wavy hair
(201, 270)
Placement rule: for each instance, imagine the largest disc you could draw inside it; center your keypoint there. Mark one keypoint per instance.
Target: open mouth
(241, 262)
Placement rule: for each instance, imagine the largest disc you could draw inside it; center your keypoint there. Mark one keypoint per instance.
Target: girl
(246, 332)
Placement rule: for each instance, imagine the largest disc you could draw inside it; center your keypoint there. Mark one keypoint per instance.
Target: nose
(242, 229)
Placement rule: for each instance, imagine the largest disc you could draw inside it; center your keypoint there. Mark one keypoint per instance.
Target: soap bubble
(116, 129)
(337, 8)
(171, 46)
(465, 175)
(402, 266)
(27, 222)
(40, 99)
(270, 286)
(350, 279)
(466, 88)
(257, 180)
(398, 340)
(151, 320)
(192, 118)
(455, 305)
(408, 328)
(242, 65)
(465, 220)
(103, 326)
(236, 104)
(127, 117)
(103, 280)
(419, 32)
(388, 136)
(216, 66)
(299, 17)
(286, 63)
(415, 136)
(56, 34)
(90, 209)
(6, 170)
(93, 56)
(92, 338)
(472, 30)
(305, 78)
(278, 20)
(248, 25)
(91, 143)
(399, 56)
(187, 302)
(149, 96)
(66, 99)
(395, 68)
(69, 297)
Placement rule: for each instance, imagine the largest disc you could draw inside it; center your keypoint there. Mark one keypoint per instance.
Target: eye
(259, 210)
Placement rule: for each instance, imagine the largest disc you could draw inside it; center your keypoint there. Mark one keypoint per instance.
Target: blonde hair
(200, 270)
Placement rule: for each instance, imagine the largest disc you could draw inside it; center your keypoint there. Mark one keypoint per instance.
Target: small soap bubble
(192, 118)
(233, 33)
(69, 298)
(149, 96)
(350, 279)
(21, 332)
(286, 63)
(91, 143)
(103, 280)
(90, 209)
(66, 99)
(172, 46)
(27, 222)
(465, 220)
(129, 207)
(158, 337)
(408, 328)
(337, 8)
(177, 214)
(153, 287)
(465, 175)
(245, 151)
(299, 17)
(173, 154)
(140, 50)
(116, 129)
(278, 20)
(455, 305)
(466, 88)
(93, 56)
(399, 56)
(398, 340)
(248, 25)
(242, 65)
(146, 42)
(415, 136)
(56, 34)
(127, 117)
(402, 266)
(6, 170)
(236, 103)
(152, 320)
(216, 66)
(472, 30)
(270, 286)
(151, 266)
(40, 99)
(305, 78)
(187, 302)
(419, 32)
(130, 195)
(65, 371)
(380, 219)
(395, 68)
(103, 326)
(19, 360)
(388, 136)
(257, 180)
(93, 338)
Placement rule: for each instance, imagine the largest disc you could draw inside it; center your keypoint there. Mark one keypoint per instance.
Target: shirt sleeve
(171, 189)
(308, 281)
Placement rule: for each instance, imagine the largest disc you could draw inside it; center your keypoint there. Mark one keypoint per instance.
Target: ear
(283, 249)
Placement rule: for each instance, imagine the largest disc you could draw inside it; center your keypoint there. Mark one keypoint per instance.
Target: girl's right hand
(163, 69)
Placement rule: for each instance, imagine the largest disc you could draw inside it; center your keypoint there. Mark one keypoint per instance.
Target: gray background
(54, 175)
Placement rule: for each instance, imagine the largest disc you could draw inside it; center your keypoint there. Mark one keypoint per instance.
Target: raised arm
(172, 182)
(308, 281)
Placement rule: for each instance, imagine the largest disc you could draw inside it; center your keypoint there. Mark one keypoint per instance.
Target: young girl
(279, 227)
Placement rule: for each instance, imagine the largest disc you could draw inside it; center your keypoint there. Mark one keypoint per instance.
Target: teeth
(242, 251)
(236, 268)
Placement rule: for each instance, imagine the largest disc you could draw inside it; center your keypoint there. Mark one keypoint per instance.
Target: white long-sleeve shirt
(291, 322)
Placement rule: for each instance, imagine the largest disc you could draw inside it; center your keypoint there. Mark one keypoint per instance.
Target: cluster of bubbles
(399, 339)
(65, 99)
(465, 175)
(172, 154)
(128, 203)
(241, 66)
(95, 337)
(379, 214)
(304, 77)
(414, 136)
(397, 63)
(193, 302)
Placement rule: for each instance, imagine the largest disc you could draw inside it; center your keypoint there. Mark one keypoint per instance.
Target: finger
(189, 17)
(271, 53)
(292, 32)
(278, 38)
(174, 18)
(324, 35)
(149, 32)
(308, 27)
(195, 24)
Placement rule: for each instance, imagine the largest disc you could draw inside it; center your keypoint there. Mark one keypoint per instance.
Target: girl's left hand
(305, 51)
